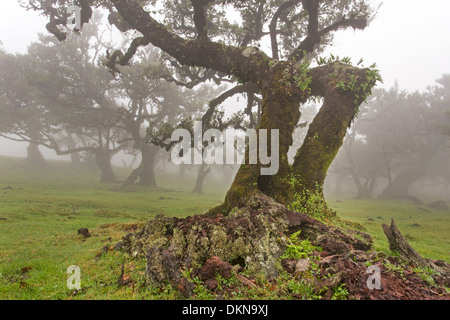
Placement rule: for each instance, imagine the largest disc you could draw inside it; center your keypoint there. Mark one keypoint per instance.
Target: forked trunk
(280, 110)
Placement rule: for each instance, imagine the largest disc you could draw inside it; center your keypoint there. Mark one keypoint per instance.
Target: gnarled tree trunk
(281, 110)
(103, 162)
(145, 171)
(203, 171)
(34, 155)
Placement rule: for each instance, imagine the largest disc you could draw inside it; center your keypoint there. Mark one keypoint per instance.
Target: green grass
(41, 211)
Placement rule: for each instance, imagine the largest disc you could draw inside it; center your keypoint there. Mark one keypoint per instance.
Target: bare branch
(313, 38)
(355, 23)
(248, 87)
(315, 35)
(256, 32)
(200, 17)
(273, 25)
(123, 59)
(55, 20)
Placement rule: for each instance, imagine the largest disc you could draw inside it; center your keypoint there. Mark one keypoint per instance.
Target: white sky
(409, 41)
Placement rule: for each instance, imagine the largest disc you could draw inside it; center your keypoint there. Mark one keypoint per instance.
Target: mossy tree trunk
(327, 131)
(281, 110)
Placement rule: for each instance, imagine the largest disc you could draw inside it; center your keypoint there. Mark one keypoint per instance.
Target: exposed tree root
(254, 236)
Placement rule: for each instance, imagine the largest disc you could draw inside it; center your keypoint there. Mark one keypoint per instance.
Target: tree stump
(398, 243)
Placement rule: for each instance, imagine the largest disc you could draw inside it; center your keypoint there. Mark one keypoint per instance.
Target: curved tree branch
(224, 96)
(123, 59)
(315, 35)
(200, 17)
(273, 25)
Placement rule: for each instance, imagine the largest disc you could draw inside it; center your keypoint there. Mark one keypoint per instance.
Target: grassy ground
(41, 211)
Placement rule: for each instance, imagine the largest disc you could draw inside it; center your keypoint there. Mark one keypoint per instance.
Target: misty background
(408, 41)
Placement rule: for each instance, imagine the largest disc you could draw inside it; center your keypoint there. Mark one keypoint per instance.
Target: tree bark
(203, 171)
(34, 155)
(75, 158)
(146, 174)
(281, 110)
(327, 131)
(397, 243)
(145, 171)
(104, 164)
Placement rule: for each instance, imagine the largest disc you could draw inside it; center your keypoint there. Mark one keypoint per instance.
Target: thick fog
(406, 40)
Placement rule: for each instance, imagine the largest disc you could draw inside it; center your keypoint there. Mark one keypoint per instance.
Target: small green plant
(426, 274)
(299, 249)
(305, 289)
(340, 292)
(394, 268)
(226, 282)
(303, 80)
(311, 203)
(361, 91)
(332, 58)
(200, 290)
